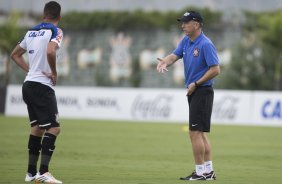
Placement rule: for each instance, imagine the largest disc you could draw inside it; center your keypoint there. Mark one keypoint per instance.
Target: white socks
(200, 169)
(208, 166)
(205, 168)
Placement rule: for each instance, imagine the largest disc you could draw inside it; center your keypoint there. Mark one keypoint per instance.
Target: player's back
(36, 42)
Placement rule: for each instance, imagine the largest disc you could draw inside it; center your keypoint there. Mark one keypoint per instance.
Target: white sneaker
(47, 178)
(29, 177)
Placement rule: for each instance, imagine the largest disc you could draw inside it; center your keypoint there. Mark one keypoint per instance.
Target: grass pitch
(105, 152)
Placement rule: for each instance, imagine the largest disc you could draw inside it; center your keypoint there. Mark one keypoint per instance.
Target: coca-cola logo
(158, 107)
(225, 108)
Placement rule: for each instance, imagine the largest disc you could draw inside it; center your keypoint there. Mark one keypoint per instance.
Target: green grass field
(105, 152)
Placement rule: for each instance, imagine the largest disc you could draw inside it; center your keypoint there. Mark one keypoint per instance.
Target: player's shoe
(29, 177)
(187, 177)
(194, 176)
(210, 176)
(47, 178)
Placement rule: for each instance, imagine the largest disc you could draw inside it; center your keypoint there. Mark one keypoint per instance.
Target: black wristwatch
(196, 84)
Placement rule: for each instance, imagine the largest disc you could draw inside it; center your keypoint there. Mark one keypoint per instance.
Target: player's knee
(195, 134)
(54, 130)
(36, 131)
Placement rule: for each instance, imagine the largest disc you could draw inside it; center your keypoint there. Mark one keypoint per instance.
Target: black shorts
(41, 104)
(200, 109)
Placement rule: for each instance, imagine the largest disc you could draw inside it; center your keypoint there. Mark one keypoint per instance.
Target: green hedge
(138, 19)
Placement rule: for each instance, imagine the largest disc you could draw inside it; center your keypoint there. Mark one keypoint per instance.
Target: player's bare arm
(51, 57)
(166, 62)
(17, 56)
(210, 74)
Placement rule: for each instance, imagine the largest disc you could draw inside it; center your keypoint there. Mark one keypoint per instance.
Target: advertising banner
(110, 103)
(232, 106)
(156, 105)
(268, 108)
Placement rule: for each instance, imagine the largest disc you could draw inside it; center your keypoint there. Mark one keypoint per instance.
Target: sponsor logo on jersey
(36, 33)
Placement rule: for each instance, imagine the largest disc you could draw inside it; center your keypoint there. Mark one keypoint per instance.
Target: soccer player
(41, 44)
(201, 65)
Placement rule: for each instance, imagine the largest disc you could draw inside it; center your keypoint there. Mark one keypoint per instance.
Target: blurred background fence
(116, 43)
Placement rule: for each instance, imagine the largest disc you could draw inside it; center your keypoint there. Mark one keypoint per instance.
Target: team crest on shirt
(196, 52)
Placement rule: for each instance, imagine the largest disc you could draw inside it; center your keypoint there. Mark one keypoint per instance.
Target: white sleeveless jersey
(35, 43)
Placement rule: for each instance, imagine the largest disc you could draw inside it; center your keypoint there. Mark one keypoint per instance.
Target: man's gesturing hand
(161, 67)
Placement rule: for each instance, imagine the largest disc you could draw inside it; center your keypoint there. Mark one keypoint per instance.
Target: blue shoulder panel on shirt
(50, 26)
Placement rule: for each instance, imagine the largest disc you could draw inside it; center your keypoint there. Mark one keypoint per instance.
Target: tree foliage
(9, 36)
(257, 60)
(10, 33)
(124, 20)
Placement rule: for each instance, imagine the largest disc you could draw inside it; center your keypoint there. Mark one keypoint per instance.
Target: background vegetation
(125, 20)
(256, 62)
(257, 59)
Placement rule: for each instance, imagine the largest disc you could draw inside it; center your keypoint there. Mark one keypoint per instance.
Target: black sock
(34, 147)
(48, 147)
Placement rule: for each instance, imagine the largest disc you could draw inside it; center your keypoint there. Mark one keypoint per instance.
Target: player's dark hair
(52, 10)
